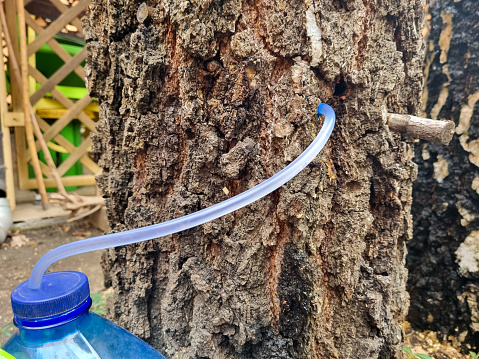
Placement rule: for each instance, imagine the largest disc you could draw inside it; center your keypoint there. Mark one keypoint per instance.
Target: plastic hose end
(323, 108)
(320, 107)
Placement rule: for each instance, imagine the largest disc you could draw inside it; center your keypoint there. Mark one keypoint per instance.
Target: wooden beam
(6, 143)
(14, 119)
(46, 152)
(81, 151)
(11, 27)
(58, 76)
(45, 169)
(59, 50)
(27, 105)
(16, 95)
(78, 180)
(56, 26)
(48, 10)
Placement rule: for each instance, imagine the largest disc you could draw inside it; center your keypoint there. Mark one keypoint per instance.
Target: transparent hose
(194, 219)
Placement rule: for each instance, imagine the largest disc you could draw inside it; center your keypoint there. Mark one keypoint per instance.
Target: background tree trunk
(201, 100)
(443, 256)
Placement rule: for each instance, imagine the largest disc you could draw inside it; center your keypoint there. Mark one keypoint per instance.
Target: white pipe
(5, 218)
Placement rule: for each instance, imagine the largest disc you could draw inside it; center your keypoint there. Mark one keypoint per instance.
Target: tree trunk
(202, 100)
(443, 259)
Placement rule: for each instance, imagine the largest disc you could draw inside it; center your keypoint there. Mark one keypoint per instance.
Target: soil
(433, 345)
(19, 254)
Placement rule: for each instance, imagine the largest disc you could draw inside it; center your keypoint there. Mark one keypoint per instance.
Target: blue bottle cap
(61, 297)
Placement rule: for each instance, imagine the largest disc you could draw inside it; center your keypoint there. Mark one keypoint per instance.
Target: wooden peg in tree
(440, 131)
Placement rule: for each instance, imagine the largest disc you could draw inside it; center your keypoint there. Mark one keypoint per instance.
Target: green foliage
(423, 356)
(473, 355)
(99, 302)
(6, 330)
(412, 355)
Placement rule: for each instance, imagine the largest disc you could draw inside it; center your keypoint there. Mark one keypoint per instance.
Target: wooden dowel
(423, 128)
(36, 127)
(144, 12)
(26, 104)
(48, 157)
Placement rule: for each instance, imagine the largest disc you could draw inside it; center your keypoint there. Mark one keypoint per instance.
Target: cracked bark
(203, 100)
(442, 262)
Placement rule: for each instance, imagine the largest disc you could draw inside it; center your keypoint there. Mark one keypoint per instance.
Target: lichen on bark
(205, 99)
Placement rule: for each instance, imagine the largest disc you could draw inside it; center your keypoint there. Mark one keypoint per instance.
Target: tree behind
(443, 257)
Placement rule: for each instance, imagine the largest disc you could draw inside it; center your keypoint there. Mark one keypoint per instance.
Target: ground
(432, 345)
(21, 251)
(18, 255)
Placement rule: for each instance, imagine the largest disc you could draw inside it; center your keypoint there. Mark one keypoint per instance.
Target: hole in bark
(340, 87)
(181, 261)
(340, 4)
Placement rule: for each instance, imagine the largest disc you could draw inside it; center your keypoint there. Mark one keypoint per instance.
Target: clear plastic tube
(194, 219)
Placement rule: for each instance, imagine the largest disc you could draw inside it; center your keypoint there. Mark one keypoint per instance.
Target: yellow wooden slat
(55, 46)
(58, 76)
(59, 112)
(77, 180)
(29, 121)
(16, 93)
(56, 26)
(47, 103)
(32, 60)
(6, 143)
(22, 161)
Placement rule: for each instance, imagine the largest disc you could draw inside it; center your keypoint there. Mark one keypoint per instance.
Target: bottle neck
(54, 321)
(42, 336)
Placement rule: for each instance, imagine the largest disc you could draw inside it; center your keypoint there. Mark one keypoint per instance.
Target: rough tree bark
(443, 256)
(201, 100)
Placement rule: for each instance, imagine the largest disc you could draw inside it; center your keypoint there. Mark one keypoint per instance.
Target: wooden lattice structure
(53, 109)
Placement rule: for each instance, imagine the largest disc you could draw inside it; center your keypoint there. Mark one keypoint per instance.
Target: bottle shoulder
(109, 338)
(67, 344)
(88, 337)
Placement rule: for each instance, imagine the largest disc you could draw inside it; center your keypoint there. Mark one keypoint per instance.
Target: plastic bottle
(54, 322)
